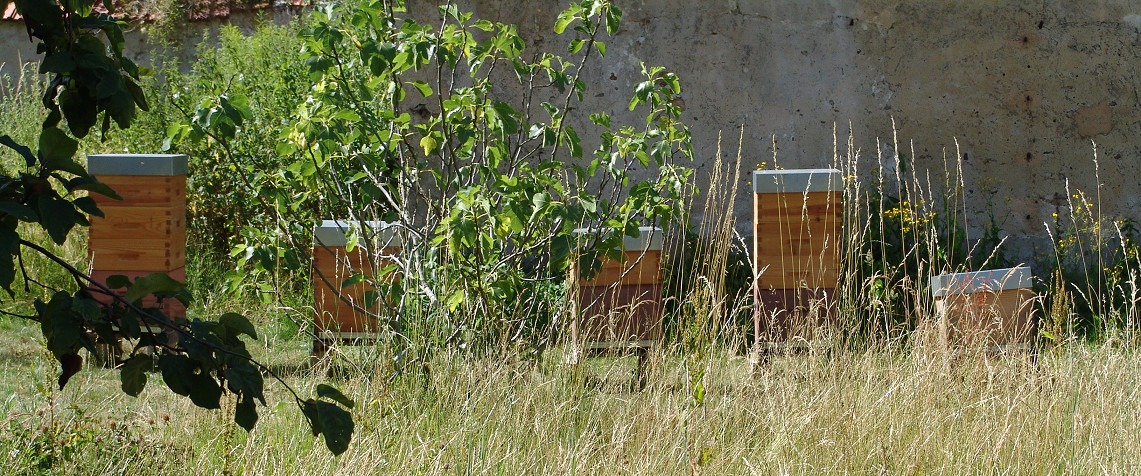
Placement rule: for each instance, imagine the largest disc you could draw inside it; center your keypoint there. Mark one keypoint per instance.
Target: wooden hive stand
(347, 312)
(619, 310)
(797, 215)
(143, 233)
(991, 310)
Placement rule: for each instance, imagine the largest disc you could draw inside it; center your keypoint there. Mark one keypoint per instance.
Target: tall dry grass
(870, 411)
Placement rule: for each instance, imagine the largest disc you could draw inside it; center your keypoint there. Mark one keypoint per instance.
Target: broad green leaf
(91, 184)
(575, 46)
(205, 391)
(429, 144)
(9, 247)
(24, 151)
(57, 148)
(60, 326)
(133, 374)
(573, 141)
(454, 300)
(178, 373)
(151, 284)
(326, 391)
(237, 324)
(564, 19)
(246, 413)
(18, 210)
(57, 215)
(88, 206)
(336, 425)
(80, 110)
(137, 95)
(424, 88)
(613, 20)
(118, 281)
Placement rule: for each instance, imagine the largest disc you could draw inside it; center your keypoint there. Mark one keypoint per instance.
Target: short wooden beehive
(990, 309)
(347, 310)
(797, 216)
(145, 232)
(621, 306)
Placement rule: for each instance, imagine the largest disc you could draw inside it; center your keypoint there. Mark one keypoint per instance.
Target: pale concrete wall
(1023, 86)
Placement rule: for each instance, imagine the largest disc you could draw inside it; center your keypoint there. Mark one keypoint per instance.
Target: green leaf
(332, 421)
(87, 205)
(454, 300)
(326, 391)
(24, 151)
(57, 216)
(178, 373)
(429, 144)
(205, 391)
(91, 184)
(137, 94)
(56, 150)
(151, 284)
(9, 247)
(588, 203)
(565, 18)
(59, 63)
(60, 326)
(133, 374)
(613, 20)
(237, 324)
(80, 110)
(424, 88)
(18, 210)
(573, 141)
(575, 46)
(246, 413)
(118, 281)
(601, 119)
(508, 115)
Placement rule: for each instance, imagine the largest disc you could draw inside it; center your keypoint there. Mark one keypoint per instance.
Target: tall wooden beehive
(796, 247)
(621, 306)
(346, 310)
(145, 232)
(989, 309)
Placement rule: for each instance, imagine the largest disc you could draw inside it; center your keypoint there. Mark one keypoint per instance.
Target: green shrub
(402, 123)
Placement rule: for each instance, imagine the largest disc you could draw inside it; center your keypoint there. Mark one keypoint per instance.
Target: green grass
(891, 410)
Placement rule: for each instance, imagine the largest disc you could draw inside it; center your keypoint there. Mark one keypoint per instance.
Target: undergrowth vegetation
(361, 112)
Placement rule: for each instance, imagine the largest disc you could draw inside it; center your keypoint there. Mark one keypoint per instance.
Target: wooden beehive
(621, 306)
(797, 216)
(347, 312)
(145, 232)
(989, 309)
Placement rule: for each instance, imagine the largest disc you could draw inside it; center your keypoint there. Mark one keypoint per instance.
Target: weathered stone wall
(1024, 87)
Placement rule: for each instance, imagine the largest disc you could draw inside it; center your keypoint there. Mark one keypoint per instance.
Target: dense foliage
(91, 83)
(416, 125)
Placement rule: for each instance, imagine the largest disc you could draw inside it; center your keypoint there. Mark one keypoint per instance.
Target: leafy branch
(91, 82)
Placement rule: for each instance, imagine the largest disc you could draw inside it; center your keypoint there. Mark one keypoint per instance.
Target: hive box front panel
(621, 306)
(797, 216)
(343, 310)
(993, 308)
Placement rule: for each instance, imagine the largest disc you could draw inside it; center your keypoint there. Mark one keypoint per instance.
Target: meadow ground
(888, 410)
